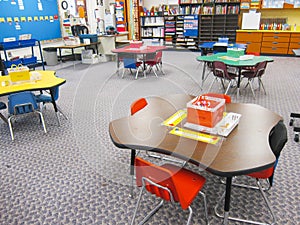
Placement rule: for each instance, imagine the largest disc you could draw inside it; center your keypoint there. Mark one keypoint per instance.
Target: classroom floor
(75, 175)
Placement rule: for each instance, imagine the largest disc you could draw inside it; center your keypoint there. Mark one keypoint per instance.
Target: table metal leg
(227, 200)
(239, 82)
(132, 159)
(203, 74)
(54, 106)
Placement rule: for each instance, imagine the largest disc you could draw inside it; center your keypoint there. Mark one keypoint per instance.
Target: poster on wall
(190, 25)
(40, 18)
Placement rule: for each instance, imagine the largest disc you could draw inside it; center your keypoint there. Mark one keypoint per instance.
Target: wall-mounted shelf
(31, 62)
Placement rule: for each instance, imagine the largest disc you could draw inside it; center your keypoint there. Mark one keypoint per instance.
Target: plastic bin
(93, 37)
(50, 56)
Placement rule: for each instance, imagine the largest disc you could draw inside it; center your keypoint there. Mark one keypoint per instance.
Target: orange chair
(138, 105)
(277, 140)
(218, 95)
(170, 183)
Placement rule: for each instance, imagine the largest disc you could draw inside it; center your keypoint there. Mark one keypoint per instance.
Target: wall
(149, 3)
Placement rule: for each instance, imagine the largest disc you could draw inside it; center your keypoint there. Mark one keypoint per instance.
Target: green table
(233, 62)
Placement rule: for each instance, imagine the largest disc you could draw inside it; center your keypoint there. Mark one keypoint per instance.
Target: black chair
(277, 140)
(296, 129)
(3, 106)
(79, 29)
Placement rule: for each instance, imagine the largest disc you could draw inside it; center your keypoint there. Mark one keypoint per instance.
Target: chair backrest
(158, 175)
(277, 140)
(138, 105)
(218, 95)
(260, 68)
(220, 70)
(253, 53)
(21, 103)
(55, 92)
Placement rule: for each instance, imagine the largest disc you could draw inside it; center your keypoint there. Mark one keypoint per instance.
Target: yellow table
(47, 80)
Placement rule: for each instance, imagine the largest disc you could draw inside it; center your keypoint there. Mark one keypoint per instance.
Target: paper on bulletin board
(251, 21)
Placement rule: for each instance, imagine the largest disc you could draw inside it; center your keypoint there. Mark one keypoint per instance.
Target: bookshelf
(152, 27)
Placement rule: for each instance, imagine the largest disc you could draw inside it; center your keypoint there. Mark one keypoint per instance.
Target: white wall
(149, 3)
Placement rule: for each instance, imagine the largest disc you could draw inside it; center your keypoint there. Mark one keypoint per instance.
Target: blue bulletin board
(190, 25)
(40, 18)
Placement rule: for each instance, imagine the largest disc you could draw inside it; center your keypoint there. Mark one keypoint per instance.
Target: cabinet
(252, 39)
(152, 27)
(269, 42)
(275, 43)
(30, 61)
(294, 42)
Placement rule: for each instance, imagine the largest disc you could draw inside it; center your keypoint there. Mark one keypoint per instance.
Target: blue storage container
(93, 37)
(31, 60)
(16, 62)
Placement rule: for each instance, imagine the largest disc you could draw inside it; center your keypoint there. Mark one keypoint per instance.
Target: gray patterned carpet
(75, 175)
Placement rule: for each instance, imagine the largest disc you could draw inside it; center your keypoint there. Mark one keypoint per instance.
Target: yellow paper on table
(176, 118)
(207, 138)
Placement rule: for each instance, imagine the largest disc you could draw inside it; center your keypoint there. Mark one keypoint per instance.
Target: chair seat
(2, 105)
(188, 183)
(43, 98)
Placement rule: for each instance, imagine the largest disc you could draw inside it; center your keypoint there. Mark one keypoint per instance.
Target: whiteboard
(251, 21)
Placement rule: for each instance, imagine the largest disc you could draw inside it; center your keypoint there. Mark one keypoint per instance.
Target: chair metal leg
(212, 83)
(229, 85)
(190, 215)
(261, 83)
(61, 112)
(244, 220)
(251, 87)
(43, 122)
(137, 206)
(10, 128)
(152, 212)
(3, 118)
(205, 207)
(165, 158)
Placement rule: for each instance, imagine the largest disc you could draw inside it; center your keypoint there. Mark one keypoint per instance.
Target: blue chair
(130, 62)
(3, 106)
(22, 103)
(46, 98)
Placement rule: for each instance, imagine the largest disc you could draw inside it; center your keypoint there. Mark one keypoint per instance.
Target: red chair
(257, 72)
(218, 95)
(277, 141)
(170, 183)
(138, 105)
(155, 62)
(220, 72)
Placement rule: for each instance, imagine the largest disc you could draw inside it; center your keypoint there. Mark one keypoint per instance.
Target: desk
(144, 50)
(231, 61)
(245, 150)
(47, 82)
(72, 47)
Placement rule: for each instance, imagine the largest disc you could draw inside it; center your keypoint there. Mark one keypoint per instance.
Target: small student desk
(47, 81)
(143, 51)
(245, 150)
(233, 62)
